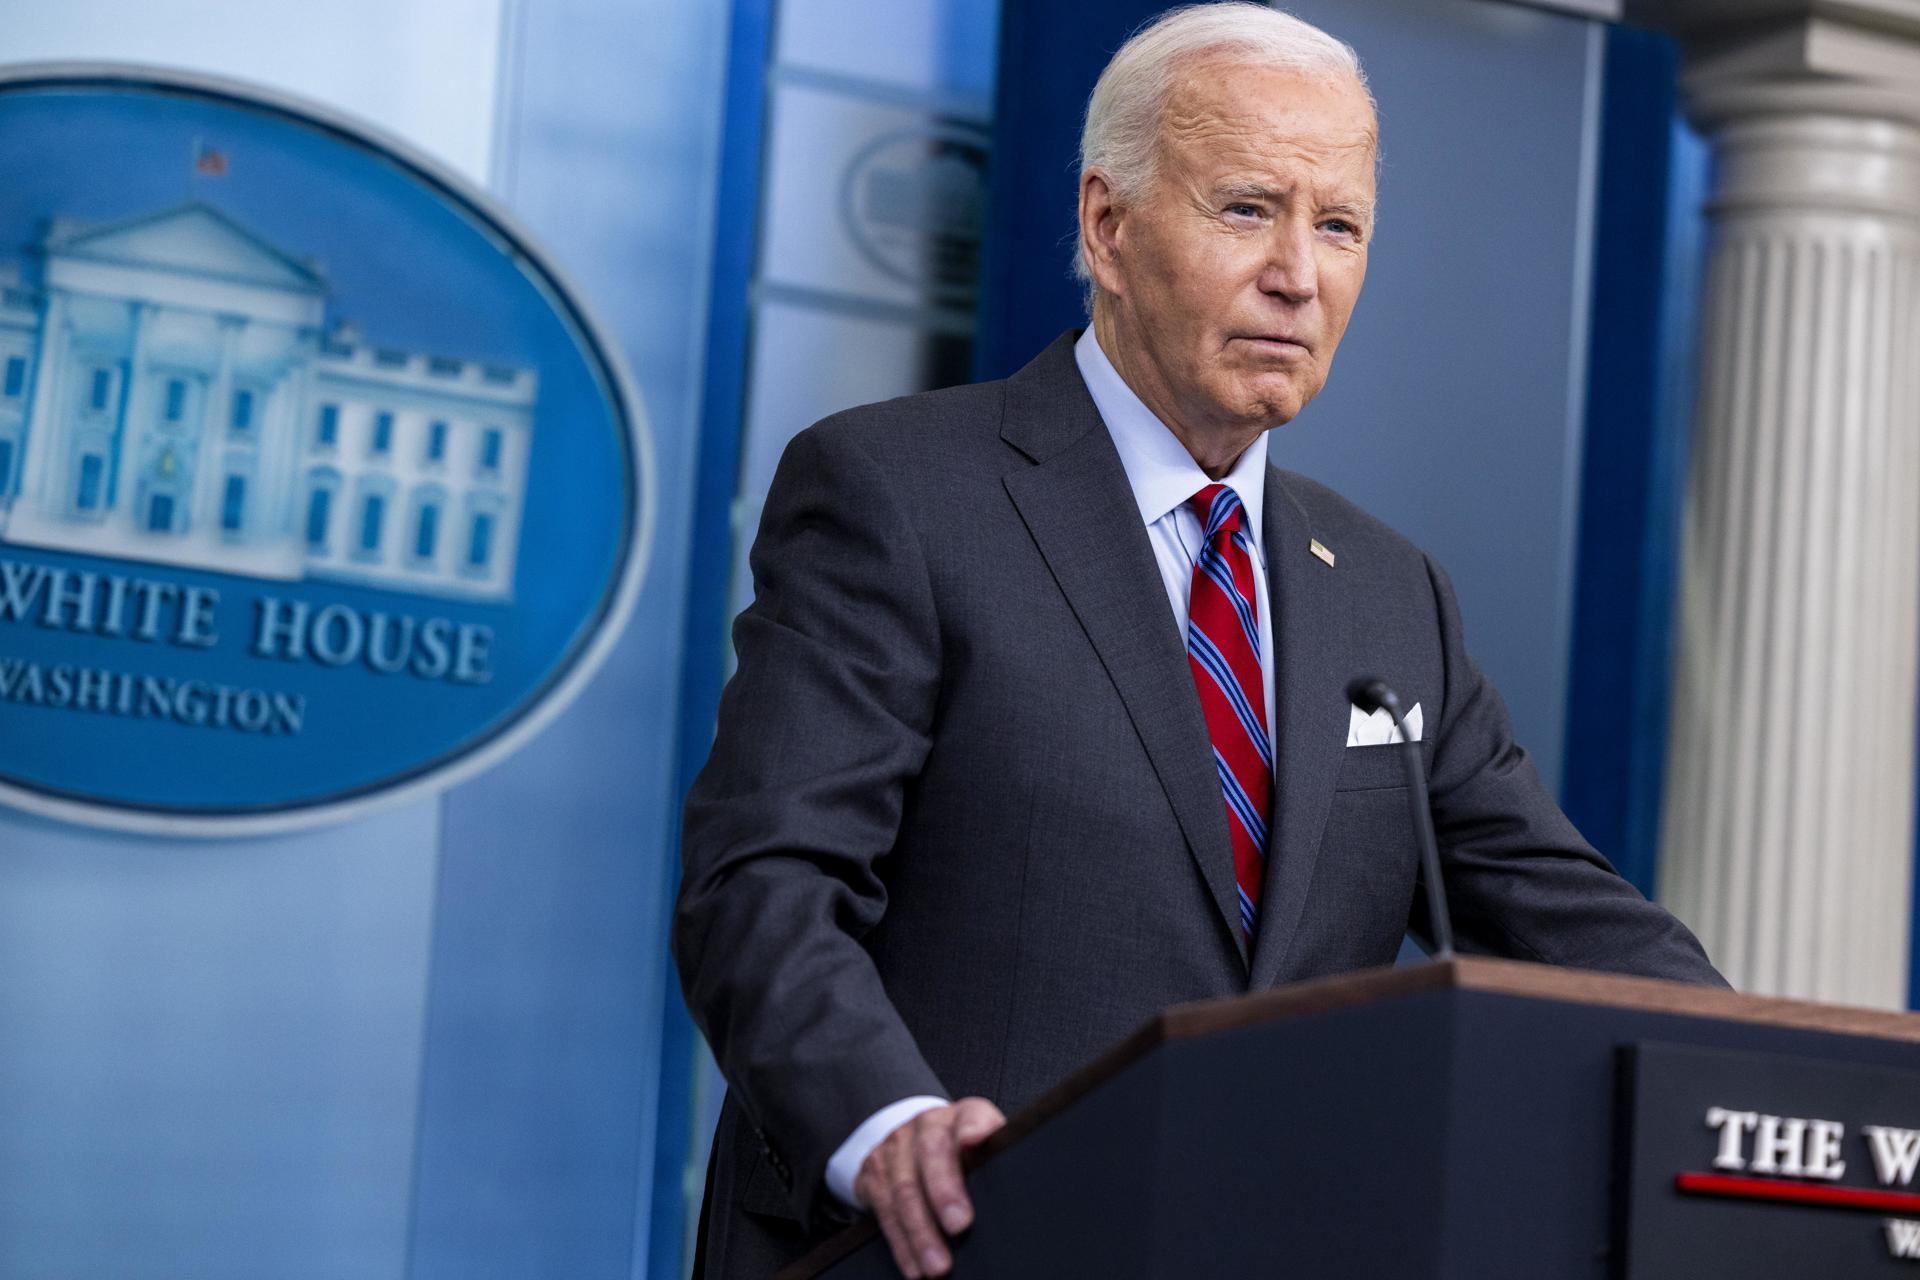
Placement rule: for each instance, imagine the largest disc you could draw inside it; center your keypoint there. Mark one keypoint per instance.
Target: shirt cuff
(843, 1166)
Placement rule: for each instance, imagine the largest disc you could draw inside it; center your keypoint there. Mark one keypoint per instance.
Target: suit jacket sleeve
(822, 725)
(1520, 878)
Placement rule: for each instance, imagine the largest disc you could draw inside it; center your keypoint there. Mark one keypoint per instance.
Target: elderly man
(1039, 723)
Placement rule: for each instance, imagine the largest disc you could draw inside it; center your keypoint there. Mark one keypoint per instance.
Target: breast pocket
(1371, 768)
(1363, 879)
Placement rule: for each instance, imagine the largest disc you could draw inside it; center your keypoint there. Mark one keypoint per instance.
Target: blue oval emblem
(318, 487)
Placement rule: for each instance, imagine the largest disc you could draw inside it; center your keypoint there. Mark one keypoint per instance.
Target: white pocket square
(1378, 729)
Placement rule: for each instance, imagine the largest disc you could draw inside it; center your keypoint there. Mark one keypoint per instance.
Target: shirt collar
(1159, 468)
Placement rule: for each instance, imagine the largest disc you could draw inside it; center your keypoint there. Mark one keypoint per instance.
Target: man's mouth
(1276, 343)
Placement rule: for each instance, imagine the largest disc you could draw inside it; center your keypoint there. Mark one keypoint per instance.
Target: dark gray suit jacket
(961, 830)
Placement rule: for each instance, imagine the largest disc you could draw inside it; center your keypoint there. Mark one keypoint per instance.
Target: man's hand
(912, 1182)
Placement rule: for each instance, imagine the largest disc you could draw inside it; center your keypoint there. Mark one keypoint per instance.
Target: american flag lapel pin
(1319, 549)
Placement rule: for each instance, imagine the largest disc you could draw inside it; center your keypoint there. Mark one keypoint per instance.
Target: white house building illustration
(171, 391)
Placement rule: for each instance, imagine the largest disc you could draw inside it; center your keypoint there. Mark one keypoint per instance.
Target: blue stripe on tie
(1245, 543)
(1238, 802)
(1225, 503)
(1214, 565)
(1246, 909)
(1214, 663)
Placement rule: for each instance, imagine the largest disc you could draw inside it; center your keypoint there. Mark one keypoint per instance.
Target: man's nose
(1292, 270)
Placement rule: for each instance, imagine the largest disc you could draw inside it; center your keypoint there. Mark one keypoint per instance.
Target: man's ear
(1100, 219)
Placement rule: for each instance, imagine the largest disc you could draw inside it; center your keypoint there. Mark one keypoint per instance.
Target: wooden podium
(1467, 1119)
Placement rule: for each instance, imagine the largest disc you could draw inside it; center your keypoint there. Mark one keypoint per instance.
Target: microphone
(1370, 694)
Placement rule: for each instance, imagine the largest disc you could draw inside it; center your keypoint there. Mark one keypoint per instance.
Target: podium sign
(1762, 1165)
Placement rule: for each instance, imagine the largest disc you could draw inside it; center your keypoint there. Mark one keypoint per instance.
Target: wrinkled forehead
(1223, 113)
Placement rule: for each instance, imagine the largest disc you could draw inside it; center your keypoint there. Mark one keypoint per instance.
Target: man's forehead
(1227, 104)
(1238, 128)
(1243, 157)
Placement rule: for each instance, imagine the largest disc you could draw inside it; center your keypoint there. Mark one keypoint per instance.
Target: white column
(46, 430)
(281, 493)
(207, 476)
(1787, 838)
(120, 498)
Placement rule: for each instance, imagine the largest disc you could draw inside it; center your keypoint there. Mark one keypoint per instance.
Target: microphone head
(1370, 693)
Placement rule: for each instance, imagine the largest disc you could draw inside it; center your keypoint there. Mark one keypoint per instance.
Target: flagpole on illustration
(208, 162)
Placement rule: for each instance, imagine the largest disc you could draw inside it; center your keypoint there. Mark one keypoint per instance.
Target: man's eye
(1244, 210)
(1342, 227)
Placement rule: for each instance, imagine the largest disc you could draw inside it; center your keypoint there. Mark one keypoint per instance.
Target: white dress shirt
(1163, 475)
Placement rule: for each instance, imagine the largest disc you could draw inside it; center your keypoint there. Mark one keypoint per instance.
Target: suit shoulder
(919, 427)
(1331, 516)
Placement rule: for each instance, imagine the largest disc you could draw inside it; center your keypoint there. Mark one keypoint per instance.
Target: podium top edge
(1538, 982)
(1518, 978)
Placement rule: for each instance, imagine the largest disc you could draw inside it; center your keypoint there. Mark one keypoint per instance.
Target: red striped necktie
(1223, 648)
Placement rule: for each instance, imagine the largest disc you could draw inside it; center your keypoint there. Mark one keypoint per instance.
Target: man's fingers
(897, 1242)
(875, 1189)
(912, 1182)
(909, 1205)
(974, 1119)
(938, 1155)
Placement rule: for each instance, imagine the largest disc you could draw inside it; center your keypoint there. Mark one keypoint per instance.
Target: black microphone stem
(1437, 915)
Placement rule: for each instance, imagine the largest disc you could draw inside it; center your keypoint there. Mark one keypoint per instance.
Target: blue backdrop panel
(1050, 55)
(1647, 253)
(688, 1090)
(549, 967)
(1453, 410)
(340, 1053)
(210, 1058)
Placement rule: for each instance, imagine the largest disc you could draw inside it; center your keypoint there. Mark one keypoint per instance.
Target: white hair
(1121, 136)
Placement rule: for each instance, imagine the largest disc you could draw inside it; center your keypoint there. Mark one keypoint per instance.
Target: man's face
(1232, 276)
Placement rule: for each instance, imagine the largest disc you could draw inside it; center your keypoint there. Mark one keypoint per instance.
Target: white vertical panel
(423, 69)
(212, 1055)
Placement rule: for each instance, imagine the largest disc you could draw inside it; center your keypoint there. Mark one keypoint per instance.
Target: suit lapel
(1078, 506)
(1310, 702)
